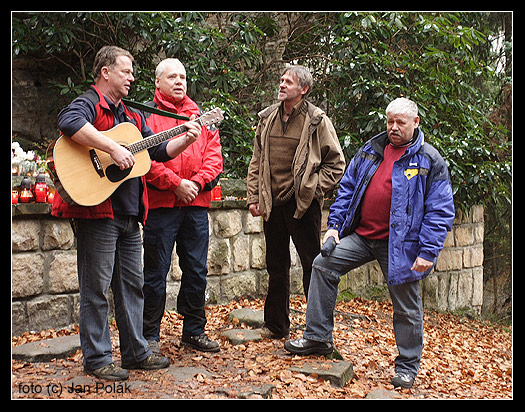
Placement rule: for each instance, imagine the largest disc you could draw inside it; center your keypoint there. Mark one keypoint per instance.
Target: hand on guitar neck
(176, 146)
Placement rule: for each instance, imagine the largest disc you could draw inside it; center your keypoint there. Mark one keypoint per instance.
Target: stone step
(240, 336)
(45, 350)
(339, 373)
(250, 317)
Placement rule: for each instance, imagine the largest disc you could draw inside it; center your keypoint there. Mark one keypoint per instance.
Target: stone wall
(44, 274)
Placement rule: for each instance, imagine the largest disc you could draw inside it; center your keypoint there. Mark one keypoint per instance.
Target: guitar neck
(157, 139)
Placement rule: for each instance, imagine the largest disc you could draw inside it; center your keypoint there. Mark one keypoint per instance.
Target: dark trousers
(188, 226)
(305, 234)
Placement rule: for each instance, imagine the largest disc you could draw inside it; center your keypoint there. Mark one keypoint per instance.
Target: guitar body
(88, 175)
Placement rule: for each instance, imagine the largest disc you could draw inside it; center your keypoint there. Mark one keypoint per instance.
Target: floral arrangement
(23, 163)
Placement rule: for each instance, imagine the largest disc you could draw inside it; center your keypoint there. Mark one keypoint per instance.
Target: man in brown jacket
(296, 159)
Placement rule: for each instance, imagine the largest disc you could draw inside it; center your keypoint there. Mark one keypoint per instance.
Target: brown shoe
(110, 372)
(152, 362)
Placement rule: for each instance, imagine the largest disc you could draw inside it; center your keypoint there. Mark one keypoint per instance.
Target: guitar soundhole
(114, 174)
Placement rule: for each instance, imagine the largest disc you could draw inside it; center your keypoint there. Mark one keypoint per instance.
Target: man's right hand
(331, 233)
(122, 157)
(254, 209)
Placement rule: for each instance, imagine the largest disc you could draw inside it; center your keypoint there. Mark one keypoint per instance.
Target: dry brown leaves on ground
(462, 358)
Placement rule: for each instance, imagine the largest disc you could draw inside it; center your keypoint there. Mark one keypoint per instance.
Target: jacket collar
(186, 105)
(379, 142)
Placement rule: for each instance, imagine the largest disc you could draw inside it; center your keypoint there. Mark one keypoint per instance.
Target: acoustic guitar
(87, 176)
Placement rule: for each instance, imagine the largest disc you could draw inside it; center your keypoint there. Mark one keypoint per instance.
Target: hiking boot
(154, 346)
(152, 362)
(110, 372)
(402, 379)
(201, 342)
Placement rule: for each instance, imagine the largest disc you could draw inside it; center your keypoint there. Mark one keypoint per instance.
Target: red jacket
(104, 120)
(201, 162)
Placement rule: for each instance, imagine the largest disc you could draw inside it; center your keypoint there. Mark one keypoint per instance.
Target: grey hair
(304, 77)
(402, 105)
(162, 66)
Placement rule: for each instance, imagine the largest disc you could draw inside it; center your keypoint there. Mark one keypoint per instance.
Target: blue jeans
(109, 254)
(189, 227)
(352, 252)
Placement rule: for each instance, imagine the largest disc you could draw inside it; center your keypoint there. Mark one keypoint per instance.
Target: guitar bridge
(96, 162)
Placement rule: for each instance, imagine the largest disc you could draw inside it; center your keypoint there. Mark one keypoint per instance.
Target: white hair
(162, 66)
(402, 105)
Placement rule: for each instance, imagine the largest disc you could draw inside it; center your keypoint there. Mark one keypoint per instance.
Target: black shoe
(402, 379)
(304, 346)
(110, 372)
(152, 362)
(201, 342)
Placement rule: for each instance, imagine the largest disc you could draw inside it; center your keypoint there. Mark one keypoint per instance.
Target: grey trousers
(352, 252)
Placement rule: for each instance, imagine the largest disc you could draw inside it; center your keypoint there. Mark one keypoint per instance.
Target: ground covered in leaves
(462, 358)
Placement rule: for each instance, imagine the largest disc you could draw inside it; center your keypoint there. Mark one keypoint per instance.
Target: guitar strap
(150, 109)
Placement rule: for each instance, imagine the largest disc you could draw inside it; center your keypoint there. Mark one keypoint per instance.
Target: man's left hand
(421, 265)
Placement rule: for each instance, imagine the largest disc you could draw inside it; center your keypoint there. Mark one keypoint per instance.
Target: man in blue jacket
(395, 205)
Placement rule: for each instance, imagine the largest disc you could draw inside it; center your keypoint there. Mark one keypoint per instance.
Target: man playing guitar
(109, 244)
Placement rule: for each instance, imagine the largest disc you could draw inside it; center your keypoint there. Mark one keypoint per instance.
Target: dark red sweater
(375, 210)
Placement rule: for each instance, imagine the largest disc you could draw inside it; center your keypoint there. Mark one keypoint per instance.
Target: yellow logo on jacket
(410, 173)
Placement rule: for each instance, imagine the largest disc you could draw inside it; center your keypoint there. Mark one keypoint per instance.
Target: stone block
(239, 336)
(258, 252)
(449, 259)
(57, 234)
(464, 235)
(252, 224)
(430, 291)
(443, 290)
(62, 276)
(338, 373)
(250, 317)
(25, 234)
(477, 292)
(237, 285)
(227, 223)
(219, 261)
(473, 257)
(449, 241)
(241, 252)
(478, 213)
(27, 274)
(18, 318)
(49, 311)
(465, 285)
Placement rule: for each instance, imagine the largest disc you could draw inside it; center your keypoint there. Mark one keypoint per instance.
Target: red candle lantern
(14, 197)
(25, 191)
(216, 193)
(40, 189)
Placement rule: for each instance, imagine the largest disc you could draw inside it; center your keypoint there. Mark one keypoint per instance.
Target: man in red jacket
(179, 197)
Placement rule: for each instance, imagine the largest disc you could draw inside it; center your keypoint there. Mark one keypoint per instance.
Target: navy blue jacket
(422, 209)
